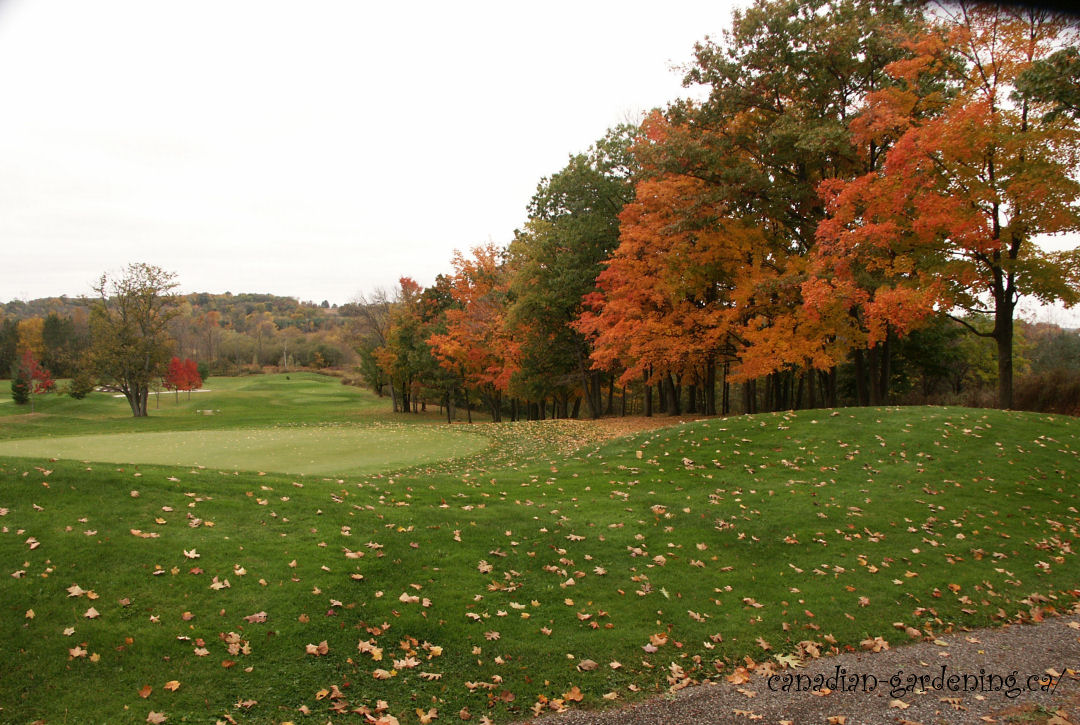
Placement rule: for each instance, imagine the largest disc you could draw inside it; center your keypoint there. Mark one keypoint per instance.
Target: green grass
(301, 424)
(305, 449)
(246, 402)
(724, 537)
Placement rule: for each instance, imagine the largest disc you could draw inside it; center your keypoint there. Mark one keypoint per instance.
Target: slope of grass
(523, 578)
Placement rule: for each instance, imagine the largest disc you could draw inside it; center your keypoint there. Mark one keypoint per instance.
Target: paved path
(1020, 651)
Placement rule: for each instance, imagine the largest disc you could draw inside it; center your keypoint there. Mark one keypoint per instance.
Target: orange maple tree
(476, 344)
(948, 220)
(665, 310)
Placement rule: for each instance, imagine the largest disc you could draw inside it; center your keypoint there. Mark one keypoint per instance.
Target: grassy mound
(524, 579)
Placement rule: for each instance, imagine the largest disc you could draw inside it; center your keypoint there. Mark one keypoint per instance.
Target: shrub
(1053, 391)
(20, 384)
(80, 385)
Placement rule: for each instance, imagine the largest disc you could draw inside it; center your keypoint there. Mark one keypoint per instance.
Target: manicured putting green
(326, 450)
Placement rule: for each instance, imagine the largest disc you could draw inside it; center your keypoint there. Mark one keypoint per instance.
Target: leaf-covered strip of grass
(485, 586)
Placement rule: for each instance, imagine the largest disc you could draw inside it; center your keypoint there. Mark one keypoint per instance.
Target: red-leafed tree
(29, 379)
(192, 379)
(182, 375)
(174, 376)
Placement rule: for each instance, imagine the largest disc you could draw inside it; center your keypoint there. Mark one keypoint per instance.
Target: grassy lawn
(523, 578)
(247, 402)
(302, 449)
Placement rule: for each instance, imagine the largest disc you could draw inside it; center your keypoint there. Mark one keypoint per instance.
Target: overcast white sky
(312, 149)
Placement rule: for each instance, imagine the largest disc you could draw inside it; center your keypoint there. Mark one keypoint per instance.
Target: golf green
(304, 449)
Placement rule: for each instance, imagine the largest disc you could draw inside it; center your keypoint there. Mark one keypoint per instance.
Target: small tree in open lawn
(174, 377)
(28, 379)
(192, 376)
(130, 343)
(20, 384)
(182, 375)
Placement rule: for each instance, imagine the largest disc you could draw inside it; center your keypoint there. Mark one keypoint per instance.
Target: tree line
(851, 209)
(223, 333)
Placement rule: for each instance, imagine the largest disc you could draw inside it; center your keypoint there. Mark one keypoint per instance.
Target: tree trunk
(725, 394)
(598, 394)
(591, 394)
(862, 388)
(1003, 335)
(710, 386)
(622, 403)
(673, 395)
(886, 367)
(750, 396)
(648, 398)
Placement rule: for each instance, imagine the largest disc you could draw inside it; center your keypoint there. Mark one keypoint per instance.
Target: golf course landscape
(302, 555)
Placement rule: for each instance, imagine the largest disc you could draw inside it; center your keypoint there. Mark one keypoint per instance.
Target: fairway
(303, 449)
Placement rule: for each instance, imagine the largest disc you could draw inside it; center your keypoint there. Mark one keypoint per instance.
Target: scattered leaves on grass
(318, 650)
